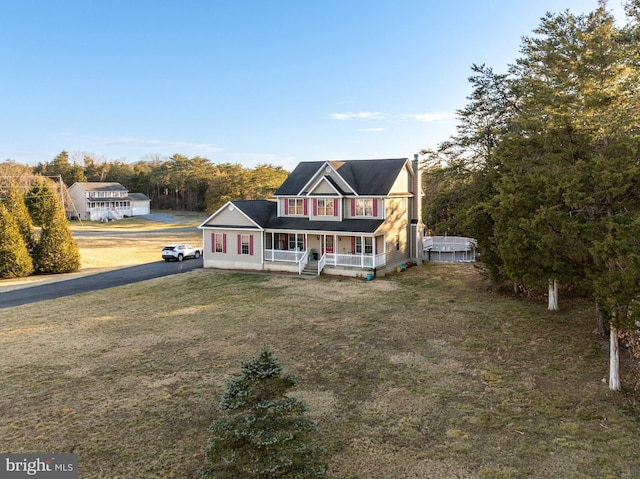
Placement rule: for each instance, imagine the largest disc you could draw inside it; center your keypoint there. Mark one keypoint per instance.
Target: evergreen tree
(561, 170)
(263, 433)
(18, 209)
(41, 201)
(61, 167)
(56, 250)
(15, 261)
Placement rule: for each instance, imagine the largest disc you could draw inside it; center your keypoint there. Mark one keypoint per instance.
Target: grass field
(132, 241)
(426, 374)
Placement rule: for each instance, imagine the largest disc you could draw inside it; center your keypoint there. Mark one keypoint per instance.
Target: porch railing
(283, 255)
(349, 260)
(356, 260)
(321, 263)
(303, 262)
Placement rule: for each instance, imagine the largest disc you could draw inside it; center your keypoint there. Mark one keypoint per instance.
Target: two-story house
(334, 217)
(97, 201)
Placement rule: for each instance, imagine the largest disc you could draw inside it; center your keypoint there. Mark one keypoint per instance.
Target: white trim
(323, 173)
(314, 187)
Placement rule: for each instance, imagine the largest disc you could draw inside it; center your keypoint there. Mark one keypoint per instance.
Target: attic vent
(327, 169)
(231, 208)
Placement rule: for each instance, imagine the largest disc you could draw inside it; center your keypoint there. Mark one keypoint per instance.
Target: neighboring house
(349, 218)
(97, 201)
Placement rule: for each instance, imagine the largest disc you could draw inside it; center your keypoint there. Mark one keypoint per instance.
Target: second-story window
(325, 207)
(296, 206)
(364, 207)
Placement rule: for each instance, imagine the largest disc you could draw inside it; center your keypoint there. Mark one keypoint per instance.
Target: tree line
(544, 170)
(177, 182)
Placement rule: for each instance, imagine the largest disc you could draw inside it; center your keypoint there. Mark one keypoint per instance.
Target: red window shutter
(239, 244)
(353, 207)
(375, 207)
(315, 207)
(335, 207)
(286, 241)
(286, 206)
(305, 206)
(224, 242)
(213, 242)
(251, 245)
(353, 244)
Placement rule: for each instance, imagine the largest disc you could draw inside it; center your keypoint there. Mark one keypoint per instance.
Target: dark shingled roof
(260, 211)
(366, 177)
(100, 186)
(299, 177)
(263, 212)
(138, 197)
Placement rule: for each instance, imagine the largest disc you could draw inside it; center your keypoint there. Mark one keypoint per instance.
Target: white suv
(179, 252)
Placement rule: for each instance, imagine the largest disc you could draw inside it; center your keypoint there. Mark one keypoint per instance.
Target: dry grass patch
(428, 373)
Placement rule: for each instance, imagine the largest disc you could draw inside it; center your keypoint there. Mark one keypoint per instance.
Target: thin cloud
(429, 117)
(363, 115)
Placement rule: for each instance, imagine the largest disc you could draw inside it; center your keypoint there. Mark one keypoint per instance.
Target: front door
(328, 245)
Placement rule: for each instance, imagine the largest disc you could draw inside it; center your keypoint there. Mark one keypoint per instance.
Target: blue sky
(248, 81)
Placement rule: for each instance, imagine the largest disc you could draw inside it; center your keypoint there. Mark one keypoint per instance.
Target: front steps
(310, 270)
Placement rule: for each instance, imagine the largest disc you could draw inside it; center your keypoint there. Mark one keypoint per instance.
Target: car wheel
(196, 255)
(180, 257)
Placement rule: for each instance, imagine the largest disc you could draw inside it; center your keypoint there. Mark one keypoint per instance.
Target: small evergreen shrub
(263, 432)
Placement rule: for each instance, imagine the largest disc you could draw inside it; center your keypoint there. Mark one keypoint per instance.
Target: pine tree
(15, 261)
(263, 432)
(56, 250)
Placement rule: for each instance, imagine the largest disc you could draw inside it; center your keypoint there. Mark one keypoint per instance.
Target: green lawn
(430, 373)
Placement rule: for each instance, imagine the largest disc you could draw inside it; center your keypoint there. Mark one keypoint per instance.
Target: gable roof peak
(364, 177)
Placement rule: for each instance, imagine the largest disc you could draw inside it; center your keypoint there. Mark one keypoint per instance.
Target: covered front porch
(350, 251)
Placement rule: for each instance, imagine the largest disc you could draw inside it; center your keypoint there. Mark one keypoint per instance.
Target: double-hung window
(296, 245)
(368, 245)
(325, 207)
(244, 244)
(219, 243)
(296, 206)
(364, 207)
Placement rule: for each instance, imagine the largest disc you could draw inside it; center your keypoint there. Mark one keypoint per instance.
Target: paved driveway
(56, 286)
(93, 282)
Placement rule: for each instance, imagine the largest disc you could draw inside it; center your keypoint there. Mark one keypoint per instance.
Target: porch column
(362, 251)
(373, 250)
(335, 250)
(273, 245)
